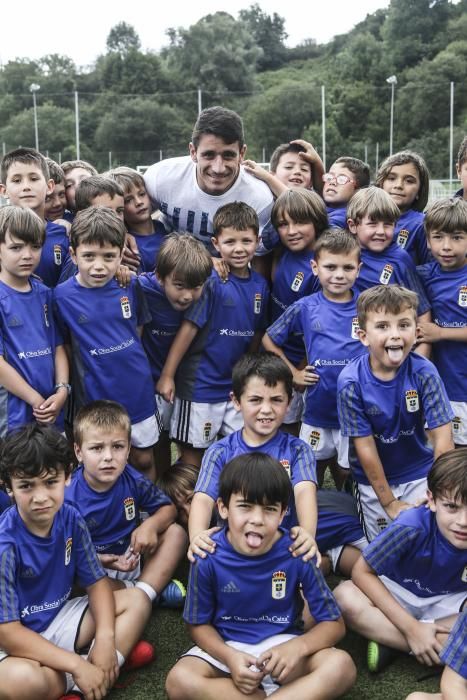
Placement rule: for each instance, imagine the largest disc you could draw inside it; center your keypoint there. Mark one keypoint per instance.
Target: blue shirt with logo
(409, 234)
(55, 255)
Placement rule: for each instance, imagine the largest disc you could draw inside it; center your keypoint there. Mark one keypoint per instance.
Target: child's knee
(346, 598)
(176, 535)
(179, 685)
(25, 679)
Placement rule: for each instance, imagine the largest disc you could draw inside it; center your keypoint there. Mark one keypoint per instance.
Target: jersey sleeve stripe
(393, 540)
(9, 608)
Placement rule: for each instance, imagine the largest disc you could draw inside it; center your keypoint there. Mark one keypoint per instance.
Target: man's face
(217, 163)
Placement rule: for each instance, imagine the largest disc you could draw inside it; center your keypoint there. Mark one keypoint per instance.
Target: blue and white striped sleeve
(352, 418)
(454, 654)
(388, 547)
(9, 603)
(436, 406)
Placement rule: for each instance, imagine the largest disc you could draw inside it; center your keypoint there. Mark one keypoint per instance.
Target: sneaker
(141, 655)
(173, 595)
(379, 656)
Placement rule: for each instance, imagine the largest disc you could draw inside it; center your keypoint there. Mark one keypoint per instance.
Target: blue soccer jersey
(148, 246)
(5, 501)
(330, 335)
(392, 266)
(447, 293)
(159, 332)
(454, 654)
(293, 279)
(29, 339)
(248, 599)
(337, 216)
(294, 454)
(338, 520)
(55, 256)
(108, 357)
(409, 234)
(111, 516)
(37, 573)
(412, 552)
(394, 412)
(228, 315)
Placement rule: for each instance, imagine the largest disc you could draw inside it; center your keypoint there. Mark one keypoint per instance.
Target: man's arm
(182, 341)
(368, 457)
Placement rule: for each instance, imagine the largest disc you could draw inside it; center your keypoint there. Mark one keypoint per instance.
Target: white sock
(149, 590)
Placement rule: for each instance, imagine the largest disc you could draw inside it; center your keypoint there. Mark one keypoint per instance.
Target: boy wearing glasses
(345, 176)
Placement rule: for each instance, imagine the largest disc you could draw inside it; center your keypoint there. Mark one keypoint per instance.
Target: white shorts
(146, 432)
(132, 575)
(198, 424)
(165, 410)
(268, 685)
(459, 422)
(64, 629)
(326, 443)
(425, 609)
(372, 514)
(335, 553)
(295, 409)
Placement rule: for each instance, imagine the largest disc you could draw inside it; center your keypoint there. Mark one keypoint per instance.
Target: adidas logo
(316, 326)
(14, 321)
(230, 587)
(82, 318)
(228, 301)
(28, 572)
(374, 410)
(91, 523)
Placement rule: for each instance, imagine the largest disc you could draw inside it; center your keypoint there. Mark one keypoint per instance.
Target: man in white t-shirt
(189, 190)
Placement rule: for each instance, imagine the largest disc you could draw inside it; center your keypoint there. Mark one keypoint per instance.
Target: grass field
(166, 631)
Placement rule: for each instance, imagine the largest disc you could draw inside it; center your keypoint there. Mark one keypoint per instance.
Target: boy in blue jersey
(454, 656)
(346, 175)
(102, 324)
(327, 322)
(44, 547)
(410, 583)
(445, 283)
(100, 191)
(55, 203)
(34, 369)
(242, 603)
(261, 393)
(226, 322)
(26, 182)
(111, 495)
(148, 233)
(385, 399)
(183, 266)
(75, 171)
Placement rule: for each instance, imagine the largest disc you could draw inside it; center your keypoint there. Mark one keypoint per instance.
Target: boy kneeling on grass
(243, 601)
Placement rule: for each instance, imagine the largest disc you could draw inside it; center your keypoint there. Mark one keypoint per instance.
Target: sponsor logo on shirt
(57, 255)
(68, 547)
(463, 295)
(286, 464)
(30, 354)
(321, 362)
(94, 352)
(33, 609)
(160, 332)
(297, 281)
(129, 506)
(230, 587)
(235, 332)
(386, 273)
(279, 582)
(402, 237)
(126, 308)
(411, 401)
(394, 438)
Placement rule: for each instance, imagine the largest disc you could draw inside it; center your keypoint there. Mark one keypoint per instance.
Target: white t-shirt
(172, 187)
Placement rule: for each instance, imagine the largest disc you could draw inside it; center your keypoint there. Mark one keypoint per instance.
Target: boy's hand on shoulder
(124, 275)
(245, 672)
(144, 539)
(202, 544)
(304, 545)
(253, 168)
(90, 679)
(166, 388)
(423, 642)
(280, 661)
(395, 508)
(221, 268)
(103, 655)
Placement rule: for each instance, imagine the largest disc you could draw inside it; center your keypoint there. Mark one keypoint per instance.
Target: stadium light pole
(34, 87)
(392, 80)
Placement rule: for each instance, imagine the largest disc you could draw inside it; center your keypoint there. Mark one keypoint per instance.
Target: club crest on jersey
(386, 273)
(207, 431)
(382, 523)
(46, 315)
(314, 439)
(57, 255)
(456, 425)
(297, 281)
(463, 295)
(130, 510)
(126, 308)
(279, 581)
(68, 546)
(257, 304)
(411, 401)
(355, 328)
(464, 575)
(286, 464)
(402, 237)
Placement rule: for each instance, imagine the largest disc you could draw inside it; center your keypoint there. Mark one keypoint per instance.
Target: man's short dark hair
(221, 122)
(267, 366)
(258, 477)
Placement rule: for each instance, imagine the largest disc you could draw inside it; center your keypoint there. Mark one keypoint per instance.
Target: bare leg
(195, 679)
(325, 675)
(347, 559)
(23, 679)
(142, 459)
(159, 568)
(190, 454)
(162, 453)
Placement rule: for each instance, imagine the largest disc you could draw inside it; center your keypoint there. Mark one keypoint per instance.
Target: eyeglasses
(338, 179)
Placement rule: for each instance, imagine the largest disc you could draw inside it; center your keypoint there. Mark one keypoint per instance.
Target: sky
(33, 29)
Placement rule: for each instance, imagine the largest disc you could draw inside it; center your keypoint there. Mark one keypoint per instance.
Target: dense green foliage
(136, 106)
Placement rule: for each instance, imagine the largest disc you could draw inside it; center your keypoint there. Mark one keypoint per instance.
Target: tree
(122, 39)
(270, 35)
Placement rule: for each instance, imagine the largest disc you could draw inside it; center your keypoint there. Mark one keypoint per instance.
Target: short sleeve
(288, 324)
(321, 601)
(200, 312)
(88, 567)
(386, 550)
(150, 498)
(200, 598)
(303, 467)
(9, 602)
(213, 462)
(436, 406)
(352, 418)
